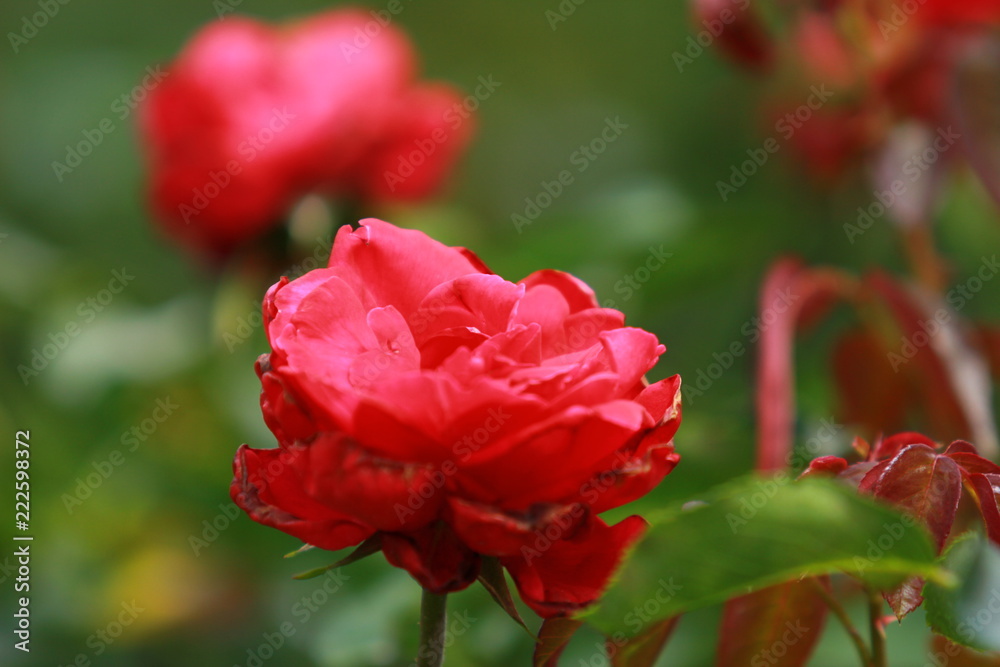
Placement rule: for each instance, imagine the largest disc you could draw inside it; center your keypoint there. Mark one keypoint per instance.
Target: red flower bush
(251, 117)
(897, 73)
(422, 401)
(912, 472)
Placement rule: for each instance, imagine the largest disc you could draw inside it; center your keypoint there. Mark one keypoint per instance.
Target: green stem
(845, 620)
(432, 627)
(879, 658)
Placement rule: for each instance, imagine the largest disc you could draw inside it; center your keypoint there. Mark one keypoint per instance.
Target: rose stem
(845, 620)
(879, 658)
(432, 627)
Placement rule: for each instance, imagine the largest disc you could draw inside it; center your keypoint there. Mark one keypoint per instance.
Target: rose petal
(366, 258)
(571, 573)
(267, 486)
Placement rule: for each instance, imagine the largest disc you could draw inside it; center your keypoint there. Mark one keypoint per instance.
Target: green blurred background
(144, 536)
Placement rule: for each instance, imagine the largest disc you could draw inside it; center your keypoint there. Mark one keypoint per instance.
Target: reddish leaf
(945, 652)
(870, 479)
(861, 446)
(967, 456)
(644, 649)
(553, 637)
(856, 473)
(778, 626)
(947, 390)
(976, 106)
(906, 597)
(788, 291)
(961, 447)
(825, 466)
(890, 447)
(869, 392)
(973, 463)
(987, 488)
(775, 381)
(924, 484)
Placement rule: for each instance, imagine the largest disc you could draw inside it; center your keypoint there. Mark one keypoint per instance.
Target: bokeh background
(154, 544)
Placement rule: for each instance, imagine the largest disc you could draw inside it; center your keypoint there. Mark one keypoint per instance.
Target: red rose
(250, 117)
(419, 397)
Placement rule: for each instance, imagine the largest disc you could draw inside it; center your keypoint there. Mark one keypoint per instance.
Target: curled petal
(492, 532)
(266, 485)
(571, 574)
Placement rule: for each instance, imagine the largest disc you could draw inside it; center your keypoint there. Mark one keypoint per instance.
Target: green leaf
(553, 637)
(370, 546)
(492, 578)
(968, 614)
(301, 550)
(759, 532)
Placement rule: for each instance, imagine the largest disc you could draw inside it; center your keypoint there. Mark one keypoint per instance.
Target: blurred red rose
(251, 117)
(421, 399)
